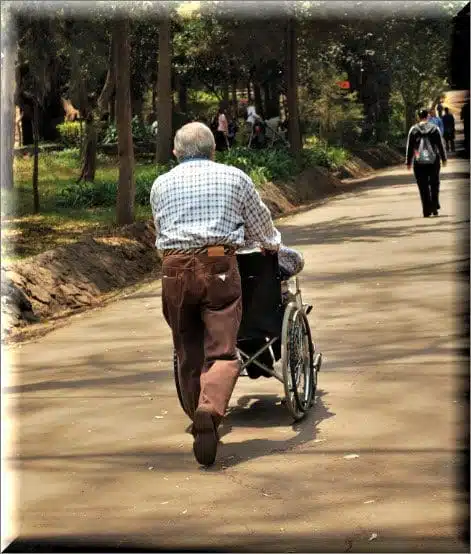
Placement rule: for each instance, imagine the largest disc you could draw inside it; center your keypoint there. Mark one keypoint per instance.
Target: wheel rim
(299, 357)
(297, 362)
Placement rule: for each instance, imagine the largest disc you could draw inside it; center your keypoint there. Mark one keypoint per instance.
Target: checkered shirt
(202, 203)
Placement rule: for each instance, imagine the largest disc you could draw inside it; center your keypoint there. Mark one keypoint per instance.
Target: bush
(103, 192)
(261, 165)
(140, 132)
(318, 152)
(70, 133)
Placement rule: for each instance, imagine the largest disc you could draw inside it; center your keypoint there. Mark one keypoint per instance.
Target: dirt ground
(99, 454)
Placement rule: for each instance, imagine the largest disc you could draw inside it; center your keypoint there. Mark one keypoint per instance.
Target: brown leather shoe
(206, 437)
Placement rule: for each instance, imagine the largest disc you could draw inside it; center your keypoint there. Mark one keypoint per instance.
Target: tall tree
(164, 92)
(294, 133)
(9, 56)
(126, 184)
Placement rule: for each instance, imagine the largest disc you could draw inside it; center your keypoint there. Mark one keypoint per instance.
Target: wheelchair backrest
(262, 312)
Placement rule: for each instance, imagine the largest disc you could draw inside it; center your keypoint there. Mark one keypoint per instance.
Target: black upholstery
(262, 312)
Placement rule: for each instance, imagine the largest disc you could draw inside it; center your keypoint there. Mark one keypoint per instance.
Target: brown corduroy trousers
(202, 304)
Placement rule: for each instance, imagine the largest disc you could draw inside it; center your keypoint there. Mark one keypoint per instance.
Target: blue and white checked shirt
(202, 203)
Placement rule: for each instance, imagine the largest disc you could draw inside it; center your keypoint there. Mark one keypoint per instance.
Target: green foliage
(326, 109)
(317, 152)
(103, 191)
(70, 133)
(140, 132)
(261, 165)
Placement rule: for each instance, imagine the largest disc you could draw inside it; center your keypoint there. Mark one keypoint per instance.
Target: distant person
(222, 129)
(433, 118)
(449, 130)
(252, 115)
(424, 150)
(232, 129)
(465, 120)
(440, 109)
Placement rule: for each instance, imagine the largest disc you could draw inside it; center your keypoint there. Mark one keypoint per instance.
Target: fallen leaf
(368, 502)
(184, 511)
(164, 502)
(158, 417)
(351, 456)
(373, 536)
(151, 468)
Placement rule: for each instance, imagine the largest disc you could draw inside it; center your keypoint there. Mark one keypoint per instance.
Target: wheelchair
(274, 339)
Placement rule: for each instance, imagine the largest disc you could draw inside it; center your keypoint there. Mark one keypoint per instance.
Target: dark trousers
(202, 303)
(449, 142)
(428, 181)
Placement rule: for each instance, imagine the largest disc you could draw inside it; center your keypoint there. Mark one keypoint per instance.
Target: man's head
(433, 112)
(194, 140)
(423, 115)
(446, 110)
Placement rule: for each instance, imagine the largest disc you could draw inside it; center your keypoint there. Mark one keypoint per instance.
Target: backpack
(425, 153)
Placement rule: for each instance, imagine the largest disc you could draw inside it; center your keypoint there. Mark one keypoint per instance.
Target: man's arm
(153, 205)
(259, 226)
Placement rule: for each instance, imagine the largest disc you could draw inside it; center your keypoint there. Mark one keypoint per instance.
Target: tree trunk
(36, 157)
(89, 152)
(108, 91)
(164, 92)
(294, 133)
(234, 98)
(249, 93)
(383, 114)
(9, 113)
(258, 99)
(126, 184)
(225, 94)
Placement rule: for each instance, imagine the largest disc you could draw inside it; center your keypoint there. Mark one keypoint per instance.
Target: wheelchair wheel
(299, 375)
(177, 382)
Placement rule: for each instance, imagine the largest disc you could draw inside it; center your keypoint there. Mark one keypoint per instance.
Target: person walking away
(203, 213)
(433, 118)
(440, 108)
(222, 142)
(425, 150)
(449, 130)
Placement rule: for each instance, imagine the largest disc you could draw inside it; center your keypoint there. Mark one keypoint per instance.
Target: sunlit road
(99, 450)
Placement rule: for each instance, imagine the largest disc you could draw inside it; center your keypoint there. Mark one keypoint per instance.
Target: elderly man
(204, 212)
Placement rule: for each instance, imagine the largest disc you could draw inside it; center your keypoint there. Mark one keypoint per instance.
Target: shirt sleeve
(153, 205)
(290, 260)
(259, 228)
(410, 146)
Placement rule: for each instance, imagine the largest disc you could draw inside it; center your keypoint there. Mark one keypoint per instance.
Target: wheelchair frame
(295, 326)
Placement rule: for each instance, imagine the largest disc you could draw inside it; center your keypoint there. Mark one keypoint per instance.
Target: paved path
(99, 446)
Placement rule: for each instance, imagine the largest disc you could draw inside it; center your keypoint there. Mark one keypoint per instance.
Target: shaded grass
(25, 234)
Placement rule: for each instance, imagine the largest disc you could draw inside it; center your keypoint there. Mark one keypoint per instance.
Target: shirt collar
(193, 158)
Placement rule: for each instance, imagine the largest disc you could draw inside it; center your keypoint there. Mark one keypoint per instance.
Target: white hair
(194, 139)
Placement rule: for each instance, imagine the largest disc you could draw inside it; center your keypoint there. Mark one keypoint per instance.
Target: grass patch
(69, 210)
